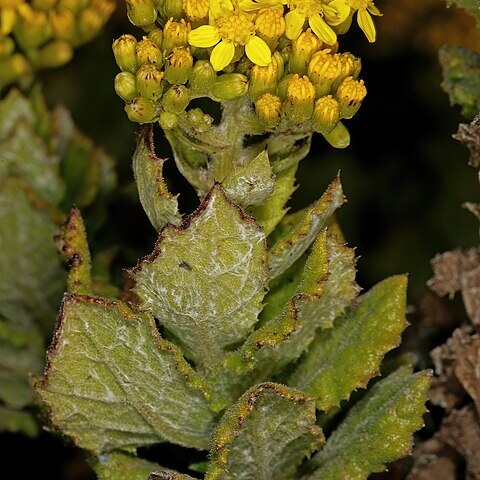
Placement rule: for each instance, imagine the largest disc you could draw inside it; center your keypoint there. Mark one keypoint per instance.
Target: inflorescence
(280, 55)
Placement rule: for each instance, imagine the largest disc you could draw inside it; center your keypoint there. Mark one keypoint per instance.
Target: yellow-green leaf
(345, 357)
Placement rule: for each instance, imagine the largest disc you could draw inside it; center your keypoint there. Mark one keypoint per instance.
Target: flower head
(365, 9)
(228, 28)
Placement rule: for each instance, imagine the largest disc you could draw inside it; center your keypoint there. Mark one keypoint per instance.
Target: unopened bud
(44, 4)
(175, 34)
(63, 24)
(299, 100)
(230, 86)
(350, 95)
(7, 46)
(203, 77)
(149, 81)
(141, 13)
(269, 109)
(196, 11)
(179, 66)
(141, 110)
(326, 114)
(73, 5)
(173, 8)
(156, 36)
(148, 52)
(339, 137)
(263, 80)
(104, 8)
(32, 27)
(89, 24)
(303, 48)
(168, 120)
(199, 121)
(323, 70)
(126, 86)
(8, 17)
(55, 54)
(124, 50)
(282, 86)
(176, 99)
(14, 67)
(270, 25)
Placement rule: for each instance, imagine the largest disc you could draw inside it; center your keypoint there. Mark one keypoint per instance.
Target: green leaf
(112, 382)
(205, 280)
(14, 108)
(270, 213)
(287, 150)
(252, 183)
(18, 422)
(345, 357)
(461, 78)
(160, 206)
(471, 6)
(72, 243)
(21, 353)
(295, 234)
(117, 465)
(31, 270)
(265, 435)
(377, 430)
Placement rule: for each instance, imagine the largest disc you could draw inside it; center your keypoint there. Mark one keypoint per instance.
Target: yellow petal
(323, 31)
(258, 51)
(205, 36)
(365, 22)
(336, 12)
(294, 23)
(222, 55)
(374, 10)
(219, 8)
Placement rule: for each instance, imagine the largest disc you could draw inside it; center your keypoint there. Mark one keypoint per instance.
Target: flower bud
(263, 80)
(303, 48)
(14, 67)
(44, 4)
(196, 11)
(168, 120)
(55, 54)
(339, 137)
(124, 50)
(141, 13)
(300, 96)
(156, 36)
(230, 86)
(269, 109)
(73, 5)
(148, 52)
(141, 110)
(173, 8)
(350, 95)
(282, 86)
(203, 77)
(7, 46)
(126, 86)
(326, 114)
(270, 25)
(32, 27)
(89, 24)
(8, 18)
(199, 121)
(323, 70)
(175, 34)
(63, 24)
(149, 80)
(176, 99)
(179, 66)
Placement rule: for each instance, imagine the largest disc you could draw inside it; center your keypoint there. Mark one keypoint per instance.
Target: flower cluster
(283, 56)
(42, 33)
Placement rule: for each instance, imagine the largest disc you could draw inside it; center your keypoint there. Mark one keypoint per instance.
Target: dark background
(404, 176)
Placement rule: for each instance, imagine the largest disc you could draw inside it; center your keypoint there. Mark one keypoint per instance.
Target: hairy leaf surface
(113, 383)
(296, 233)
(377, 430)
(159, 204)
(205, 280)
(345, 357)
(120, 466)
(265, 435)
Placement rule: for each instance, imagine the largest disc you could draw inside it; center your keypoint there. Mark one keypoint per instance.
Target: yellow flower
(365, 9)
(229, 27)
(320, 15)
